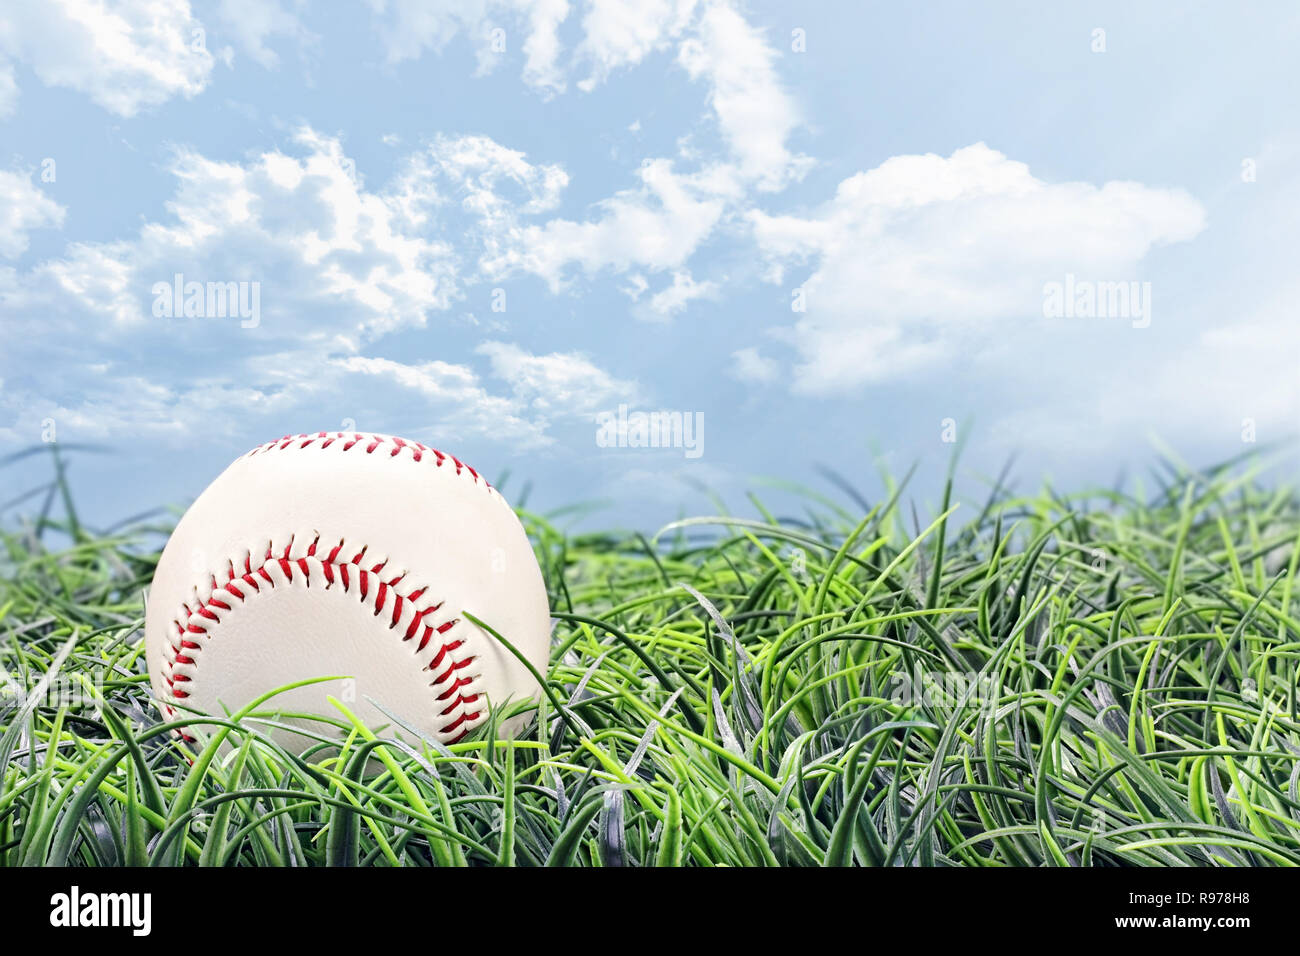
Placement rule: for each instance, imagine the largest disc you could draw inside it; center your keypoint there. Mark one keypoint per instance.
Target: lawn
(1104, 678)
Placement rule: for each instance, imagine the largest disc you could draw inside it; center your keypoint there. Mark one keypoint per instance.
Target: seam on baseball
(387, 445)
(455, 683)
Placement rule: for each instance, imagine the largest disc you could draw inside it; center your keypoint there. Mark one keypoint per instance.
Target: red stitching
(369, 444)
(196, 622)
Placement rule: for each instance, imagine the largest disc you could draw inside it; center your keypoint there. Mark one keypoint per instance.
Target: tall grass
(1093, 679)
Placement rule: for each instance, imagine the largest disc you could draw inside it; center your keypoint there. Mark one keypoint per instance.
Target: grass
(1101, 679)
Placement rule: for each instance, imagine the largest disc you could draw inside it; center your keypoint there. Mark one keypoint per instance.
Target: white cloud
(656, 226)
(635, 286)
(476, 170)
(557, 383)
(301, 224)
(542, 47)
(454, 394)
(110, 400)
(254, 22)
(420, 399)
(917, 259)
(659, 223)
(751, 366)
(542, 388)
(715, 43)
(339, 266)
(754, 112)
(621, 33)
(615, 33)
(408, 28)
(127, 57)
(23, 207)
(672, 299)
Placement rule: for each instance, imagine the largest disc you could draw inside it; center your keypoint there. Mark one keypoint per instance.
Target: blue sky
(481, 225)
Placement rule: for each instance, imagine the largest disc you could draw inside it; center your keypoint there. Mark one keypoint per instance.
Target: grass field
(1047, 680)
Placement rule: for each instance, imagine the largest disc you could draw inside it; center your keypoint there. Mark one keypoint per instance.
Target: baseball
(355, 557)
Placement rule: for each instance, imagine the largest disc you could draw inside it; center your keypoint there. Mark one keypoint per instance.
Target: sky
(832, 235)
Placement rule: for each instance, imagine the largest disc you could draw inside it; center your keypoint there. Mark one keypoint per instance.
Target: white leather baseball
(349, 555)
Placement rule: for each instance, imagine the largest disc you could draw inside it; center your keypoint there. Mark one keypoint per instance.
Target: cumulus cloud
(113, 401)
(490, 182)
(301, 223)
(541, 389)
(127, 57)
(754, 112)
(542, 46)
(454, 397)
(657, 226)
(715, 44)
(676, 204)
(408, 28)
(675, 297)
(340, 267)
(566, 383)
(23, 207)
(914, 260)
(621, 33)
(614, 33)
(749, 365)
(253, 23)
